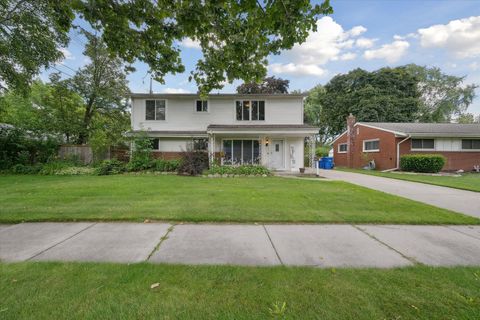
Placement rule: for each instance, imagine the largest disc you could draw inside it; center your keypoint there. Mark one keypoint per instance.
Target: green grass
(109, 291)
(176, 198)
(467, 181)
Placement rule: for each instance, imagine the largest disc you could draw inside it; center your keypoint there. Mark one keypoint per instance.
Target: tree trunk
(87, 119)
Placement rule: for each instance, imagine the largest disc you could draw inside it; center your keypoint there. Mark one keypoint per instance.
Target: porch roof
(263, 128)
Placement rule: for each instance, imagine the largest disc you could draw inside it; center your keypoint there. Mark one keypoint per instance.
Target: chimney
(351, 133)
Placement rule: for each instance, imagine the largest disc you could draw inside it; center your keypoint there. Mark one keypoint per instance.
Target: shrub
(193, 163)
(141, 153)
(430, 163)
(52, 167)
(26, 169)
(240, 170)
(322, 151)
(75, 171)
(108, 167)
(165, 165)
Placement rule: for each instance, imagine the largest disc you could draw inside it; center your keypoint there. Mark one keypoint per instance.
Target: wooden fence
(84, 153)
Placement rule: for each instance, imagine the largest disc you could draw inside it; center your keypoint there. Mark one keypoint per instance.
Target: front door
(277, 155)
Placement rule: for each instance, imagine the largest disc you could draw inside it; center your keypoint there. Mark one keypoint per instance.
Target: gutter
(398, 152)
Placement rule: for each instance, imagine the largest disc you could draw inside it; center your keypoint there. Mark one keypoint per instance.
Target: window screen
(371, 145)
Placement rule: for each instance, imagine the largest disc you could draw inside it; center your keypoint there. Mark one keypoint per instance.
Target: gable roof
(428, 129)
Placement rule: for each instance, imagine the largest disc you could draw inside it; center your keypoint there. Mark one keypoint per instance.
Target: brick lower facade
(386, 158)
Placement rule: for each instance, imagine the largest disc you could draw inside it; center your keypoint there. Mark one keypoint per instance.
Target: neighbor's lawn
(468, 181)
(108, 291)
(125, 197)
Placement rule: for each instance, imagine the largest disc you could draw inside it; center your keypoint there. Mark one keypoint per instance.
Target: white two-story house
(235, 129)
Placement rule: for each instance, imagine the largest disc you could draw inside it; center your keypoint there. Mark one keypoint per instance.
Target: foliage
(431, 163)
(26, 169)
(385, 95)
(468, 118)
(102, 85)
(75, 171)
(165, 165)
(108, 167)
(239, 170)
(55, 166)
(442, 95)
(32, 33)
(322, 151)
(235, 37)
(313, 111)
(20, 147)
(193, 163)
(268, 85)
(141, 153)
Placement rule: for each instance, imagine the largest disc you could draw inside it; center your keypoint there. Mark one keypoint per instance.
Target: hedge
(429, 163)
(239, 170)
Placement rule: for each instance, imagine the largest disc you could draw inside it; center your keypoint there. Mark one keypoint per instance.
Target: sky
(367, 34)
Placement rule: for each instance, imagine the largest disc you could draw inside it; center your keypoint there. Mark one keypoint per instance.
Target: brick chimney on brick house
(351, 134)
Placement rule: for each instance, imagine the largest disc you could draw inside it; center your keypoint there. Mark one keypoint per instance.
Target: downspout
(398, 152)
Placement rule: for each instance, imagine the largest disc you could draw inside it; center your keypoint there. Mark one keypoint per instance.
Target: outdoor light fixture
(266, 142)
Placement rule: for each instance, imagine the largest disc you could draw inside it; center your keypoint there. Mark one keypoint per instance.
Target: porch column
(312, 145)
(211, 148)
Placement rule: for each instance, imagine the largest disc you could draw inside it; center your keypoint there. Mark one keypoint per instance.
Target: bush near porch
(238, 170)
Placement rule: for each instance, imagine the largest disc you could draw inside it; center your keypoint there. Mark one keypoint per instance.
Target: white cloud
(174, 90)
(189, 43)
(297, 69)
(329, 43)
(474, 66)
(348, 56)
(391, 52)
(356, 31)
(67, 54)
(460, 37)
(365, 43)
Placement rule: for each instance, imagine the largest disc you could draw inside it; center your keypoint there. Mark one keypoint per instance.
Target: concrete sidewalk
(462, 201)
(381, 246)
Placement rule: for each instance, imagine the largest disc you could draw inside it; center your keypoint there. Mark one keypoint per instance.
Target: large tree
(385, 95)
(235, 36)
(443, 96)
(313, 111)
(102, 84)
(268, 85)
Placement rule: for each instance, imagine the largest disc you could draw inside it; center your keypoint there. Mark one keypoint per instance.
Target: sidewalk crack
(273, 246)
(461, 232)
(163, 238)
(413, 260)
(56, 244)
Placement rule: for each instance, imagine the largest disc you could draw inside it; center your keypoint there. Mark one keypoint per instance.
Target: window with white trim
(201, 106)
(371, 145)
(250, 110)
(423, 144)
(155, 109)
(342, 148)
(470, 144)
(239, 152)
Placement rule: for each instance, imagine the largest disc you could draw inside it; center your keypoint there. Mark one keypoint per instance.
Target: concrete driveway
(327, 245)
(462, 201)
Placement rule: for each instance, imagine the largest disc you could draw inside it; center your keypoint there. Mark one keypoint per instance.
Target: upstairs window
(201, 106)
(371, 145)
(342, 148)
(155, 109)
(470, 144)
(250, 110)
(423, 144)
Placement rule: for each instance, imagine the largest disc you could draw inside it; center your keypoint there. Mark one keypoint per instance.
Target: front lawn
(176, 198)
(109, 291)
(467, 181)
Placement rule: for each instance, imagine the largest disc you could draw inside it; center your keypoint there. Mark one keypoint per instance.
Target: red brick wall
(167, 155)
(384, 159)
(455, 160)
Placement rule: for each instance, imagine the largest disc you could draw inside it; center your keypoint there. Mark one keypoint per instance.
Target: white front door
(277, 155)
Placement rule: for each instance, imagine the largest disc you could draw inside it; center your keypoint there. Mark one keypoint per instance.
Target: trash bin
(327, 163)
(321, 163)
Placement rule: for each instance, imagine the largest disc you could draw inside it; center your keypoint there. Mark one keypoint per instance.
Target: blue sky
(369, 34)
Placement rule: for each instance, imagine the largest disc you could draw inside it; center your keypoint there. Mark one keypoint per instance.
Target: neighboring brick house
(386, 142)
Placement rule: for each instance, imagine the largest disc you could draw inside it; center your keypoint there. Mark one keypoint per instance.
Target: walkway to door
(462, 201)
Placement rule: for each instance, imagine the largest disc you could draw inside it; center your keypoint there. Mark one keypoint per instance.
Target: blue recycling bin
(321, 163)
(326, 163)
